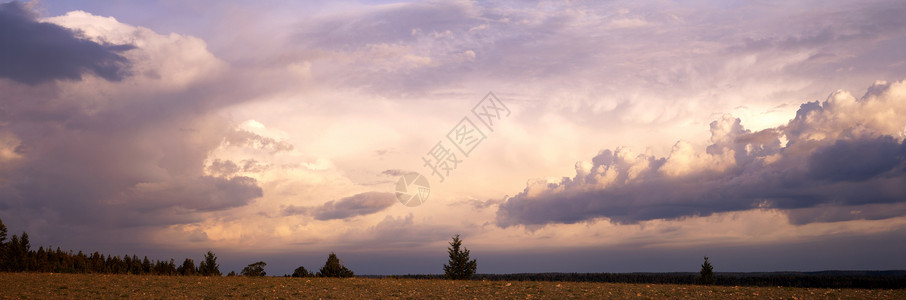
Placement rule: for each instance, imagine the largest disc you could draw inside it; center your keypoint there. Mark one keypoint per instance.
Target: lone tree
(255, 269)
(460, 267)
(301, 272)
(707, 273)
(333, 268)
(209, 266)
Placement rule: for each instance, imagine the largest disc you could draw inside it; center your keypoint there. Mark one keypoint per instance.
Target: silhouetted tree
(301, 272)
(460, 267)
(209, 266)
(3, 255)
(231, 274)
(3, 232)
(17, 254)
(187, 267)
(146, 266)
(333, 268)
(707, 273)
(255, 269)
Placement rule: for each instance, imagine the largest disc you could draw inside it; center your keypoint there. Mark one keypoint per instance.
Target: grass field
(79, 286)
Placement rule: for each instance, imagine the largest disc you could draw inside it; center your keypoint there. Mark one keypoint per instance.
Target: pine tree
(209, 266)
(460, 267)
(3, 233)
(146, 266)
(707, 273)
(4, 257)
(333, 268)
(187, 267)
(255, 269)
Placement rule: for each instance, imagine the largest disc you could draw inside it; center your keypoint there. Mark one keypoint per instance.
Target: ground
(70, 286)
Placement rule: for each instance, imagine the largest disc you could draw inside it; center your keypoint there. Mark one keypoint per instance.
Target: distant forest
(16, 255)
(824, 279)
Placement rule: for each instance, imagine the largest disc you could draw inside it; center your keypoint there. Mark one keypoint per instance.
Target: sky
(553, 136)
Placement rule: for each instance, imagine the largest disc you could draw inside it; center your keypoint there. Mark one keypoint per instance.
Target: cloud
(293, 210)
(35, 52)
(244, 138)
(107, 156)
(205, 193)
(843, 154)
(393, 172)
(356, 205)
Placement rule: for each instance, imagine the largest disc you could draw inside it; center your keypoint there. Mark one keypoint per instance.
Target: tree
(3, 233)
(707, 273)
(460, 267)
(209, 266)
(255, 269)
(231, 274)
(187, 267)
(3, 253)
(146, 266)
(333, 268)
(301, 272)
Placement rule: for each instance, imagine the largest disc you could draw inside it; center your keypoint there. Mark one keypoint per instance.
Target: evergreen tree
(209, 266)
(146, 266)
(333, 268)
(255, 269)
(460, 267)
(3, 247)
(136, 267)
(16, 254)
(24, 249)
(187, 268)
(707, 273)
(231, 274)
(301, 272)
(3, 233)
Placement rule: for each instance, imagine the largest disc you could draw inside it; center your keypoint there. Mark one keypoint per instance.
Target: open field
(45, 285)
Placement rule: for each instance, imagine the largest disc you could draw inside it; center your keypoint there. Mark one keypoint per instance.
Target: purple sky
(638, 137)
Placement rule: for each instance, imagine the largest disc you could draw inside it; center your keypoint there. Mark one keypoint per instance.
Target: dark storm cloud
(33, 52)
(356, 205)
(205, 193)
(856, 171)
(101, 159)
(856, 160)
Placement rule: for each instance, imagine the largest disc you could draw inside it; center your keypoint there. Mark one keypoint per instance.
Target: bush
(301, 272)
(255, 269)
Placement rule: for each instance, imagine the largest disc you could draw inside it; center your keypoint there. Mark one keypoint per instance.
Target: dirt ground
(82, 286)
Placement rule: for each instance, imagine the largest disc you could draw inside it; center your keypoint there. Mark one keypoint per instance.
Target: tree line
(17, 255)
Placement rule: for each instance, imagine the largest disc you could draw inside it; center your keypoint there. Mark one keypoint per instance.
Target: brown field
(77, 286)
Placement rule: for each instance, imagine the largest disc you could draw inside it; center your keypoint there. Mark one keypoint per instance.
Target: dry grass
(70, 286)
